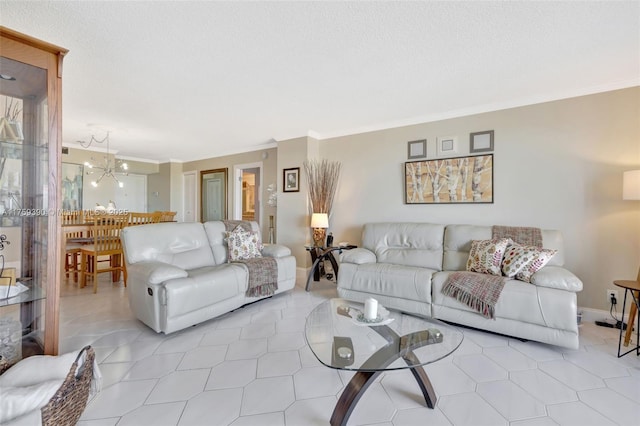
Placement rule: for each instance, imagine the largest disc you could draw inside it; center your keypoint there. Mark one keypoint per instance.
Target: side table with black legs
(318, 256)
(632, 288)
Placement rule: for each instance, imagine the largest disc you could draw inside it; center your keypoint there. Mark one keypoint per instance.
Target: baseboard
(593, 315)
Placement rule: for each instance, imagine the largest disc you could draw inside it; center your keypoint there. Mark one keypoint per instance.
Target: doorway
(247, 190)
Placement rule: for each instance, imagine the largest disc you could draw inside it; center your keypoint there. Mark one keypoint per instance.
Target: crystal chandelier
(108, 168)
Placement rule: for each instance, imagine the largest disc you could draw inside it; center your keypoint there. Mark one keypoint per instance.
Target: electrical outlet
(612, 292)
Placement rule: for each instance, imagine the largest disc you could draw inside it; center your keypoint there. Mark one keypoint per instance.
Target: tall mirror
(213, 195)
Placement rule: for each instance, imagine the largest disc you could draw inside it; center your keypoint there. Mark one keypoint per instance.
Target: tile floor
(252, 367)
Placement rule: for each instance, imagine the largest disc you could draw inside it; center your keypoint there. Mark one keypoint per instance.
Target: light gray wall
(175, 182)
(557, 165)
(268, 158)
(293, 217)
(158, 189)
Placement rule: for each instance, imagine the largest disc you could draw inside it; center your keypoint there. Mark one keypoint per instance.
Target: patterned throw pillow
(523, 261)
(243, 244)
(485, 256)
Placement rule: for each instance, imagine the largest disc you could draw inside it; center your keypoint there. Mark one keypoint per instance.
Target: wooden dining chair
(143, 218)
(167, 216)
(72, 249)
(106, 242)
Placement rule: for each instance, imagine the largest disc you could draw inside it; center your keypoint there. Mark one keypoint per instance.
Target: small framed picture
(447, 146)
(291, 180)
(481, 141)
(417, 149)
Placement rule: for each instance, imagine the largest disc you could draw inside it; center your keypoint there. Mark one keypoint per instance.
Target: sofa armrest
(358, 256)
(275, 250)
(156, 272)
(556, 277)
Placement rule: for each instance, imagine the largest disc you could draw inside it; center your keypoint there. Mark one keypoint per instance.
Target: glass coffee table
(341, 338)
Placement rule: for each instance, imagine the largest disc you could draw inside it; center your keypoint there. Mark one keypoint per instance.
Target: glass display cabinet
(30, 150)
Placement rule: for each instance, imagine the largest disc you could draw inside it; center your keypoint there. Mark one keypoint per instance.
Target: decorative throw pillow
(485, 256)
(243, 244)
(522, 262)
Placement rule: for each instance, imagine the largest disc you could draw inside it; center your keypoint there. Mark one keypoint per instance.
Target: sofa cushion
(407, 244)
(184, 245)
(486, 256)
(358, 255)
(243, 245)
(275, 250)
(204, 287)
(523, 261)
(404, 282)
(519, 301)
(558, 278)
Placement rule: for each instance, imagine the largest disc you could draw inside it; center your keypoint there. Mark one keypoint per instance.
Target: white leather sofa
(178, 274)
(405, 265)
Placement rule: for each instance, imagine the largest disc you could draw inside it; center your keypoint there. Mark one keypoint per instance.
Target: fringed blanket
(263, 276)
(230, 225)
(478, 291)
(520, 234)
(263, 271)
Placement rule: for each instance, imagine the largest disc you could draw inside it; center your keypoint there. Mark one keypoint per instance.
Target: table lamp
(631, 185)
(319, 223)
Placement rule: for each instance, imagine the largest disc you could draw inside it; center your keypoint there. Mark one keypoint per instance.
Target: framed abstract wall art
(452, 180)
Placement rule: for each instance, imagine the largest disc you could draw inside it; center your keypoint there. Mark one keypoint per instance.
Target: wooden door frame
(225, 188)
(237, 189)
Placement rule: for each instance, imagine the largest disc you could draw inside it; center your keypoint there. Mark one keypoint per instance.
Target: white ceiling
(186, 80)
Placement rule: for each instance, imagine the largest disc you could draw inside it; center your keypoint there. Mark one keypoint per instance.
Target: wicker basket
(69, 401)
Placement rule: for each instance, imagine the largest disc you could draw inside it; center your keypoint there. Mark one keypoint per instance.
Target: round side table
(632, 288)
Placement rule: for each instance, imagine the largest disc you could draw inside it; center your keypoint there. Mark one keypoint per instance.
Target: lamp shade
(319, 220)
(631, 185)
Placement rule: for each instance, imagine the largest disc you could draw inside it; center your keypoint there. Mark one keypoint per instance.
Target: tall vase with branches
(322, 178)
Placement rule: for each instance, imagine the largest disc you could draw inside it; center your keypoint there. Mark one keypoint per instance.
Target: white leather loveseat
(405, 265)
(178, 274)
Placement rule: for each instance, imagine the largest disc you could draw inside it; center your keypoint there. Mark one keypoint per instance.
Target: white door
(133, 195)
(189, 207)
(213, 199)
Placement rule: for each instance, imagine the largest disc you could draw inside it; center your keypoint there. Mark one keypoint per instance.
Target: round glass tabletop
(340, 337)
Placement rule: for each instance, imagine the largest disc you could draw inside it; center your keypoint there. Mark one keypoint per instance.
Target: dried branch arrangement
(322, 177)
(12, 110)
